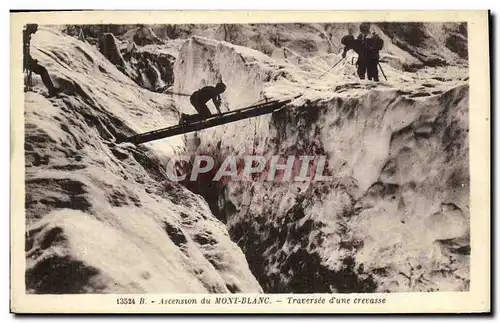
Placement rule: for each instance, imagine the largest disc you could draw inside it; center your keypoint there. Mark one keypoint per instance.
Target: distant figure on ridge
(367, 46)
(31, 65)
(199, 101)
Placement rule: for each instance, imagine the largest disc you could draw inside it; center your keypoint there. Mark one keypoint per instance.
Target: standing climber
(367, 46)
(199, 101)
(31, 64)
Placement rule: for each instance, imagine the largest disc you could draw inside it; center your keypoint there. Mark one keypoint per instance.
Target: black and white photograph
(247, 158)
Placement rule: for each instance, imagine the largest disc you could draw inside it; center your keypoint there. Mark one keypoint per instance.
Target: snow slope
(101, 218)
(395, 215)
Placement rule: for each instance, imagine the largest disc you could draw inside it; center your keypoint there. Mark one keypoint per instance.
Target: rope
(255, 103)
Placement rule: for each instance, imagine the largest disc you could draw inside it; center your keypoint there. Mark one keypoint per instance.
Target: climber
(367, 46)
(31, 65)
(153, 75)
(199, 101)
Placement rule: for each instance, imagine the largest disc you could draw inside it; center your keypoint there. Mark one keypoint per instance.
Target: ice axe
(332, 67)
(382, 70)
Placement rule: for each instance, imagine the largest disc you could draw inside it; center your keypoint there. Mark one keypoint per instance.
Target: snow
(101, 217)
